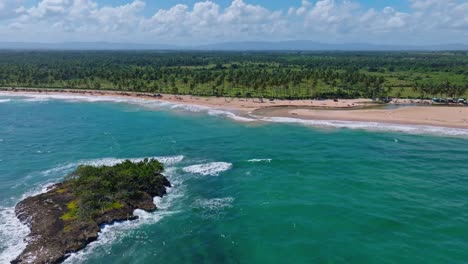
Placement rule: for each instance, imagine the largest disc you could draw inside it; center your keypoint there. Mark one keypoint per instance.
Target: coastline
(405, 112)
(440, 116)
(228, 103)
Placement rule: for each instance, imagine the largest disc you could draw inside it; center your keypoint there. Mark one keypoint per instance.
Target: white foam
(36, 99)
(131, 100)
(259, 160)
(29, 97)
(208, 169)
(231, 115)
(190, 107)
(211, 111)
(5, 100)
(12, 232)
(118, 231)
(214, 204)
(372, 126)
(114, 233)
(64, 169)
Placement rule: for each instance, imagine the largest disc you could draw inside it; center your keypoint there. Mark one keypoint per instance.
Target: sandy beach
(240, 104)
(440, 116)
(363, 110)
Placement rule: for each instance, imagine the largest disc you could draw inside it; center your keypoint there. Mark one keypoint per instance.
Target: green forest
(104, 188)
(282, 75)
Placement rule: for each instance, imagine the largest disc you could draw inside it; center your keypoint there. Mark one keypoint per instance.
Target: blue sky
(202, 21)
(273, 4)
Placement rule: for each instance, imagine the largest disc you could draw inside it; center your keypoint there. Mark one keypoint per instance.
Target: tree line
(293, 75)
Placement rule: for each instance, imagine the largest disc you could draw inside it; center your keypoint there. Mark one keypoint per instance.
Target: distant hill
(305, 45)
(296, 45)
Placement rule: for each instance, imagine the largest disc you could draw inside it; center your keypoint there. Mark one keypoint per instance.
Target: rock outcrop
(53, 237)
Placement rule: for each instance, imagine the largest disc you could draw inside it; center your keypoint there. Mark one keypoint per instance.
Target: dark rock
(52, 239)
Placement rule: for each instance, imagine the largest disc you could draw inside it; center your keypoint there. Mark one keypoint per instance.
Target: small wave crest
(190, 108)
(28, 97)
(231, 115)
(5, 100)
(36, 99)
(208, 169)
(212, 112)
(371, 126)
(212, 208)
(63, 169)
(214, 204)
(260, 160)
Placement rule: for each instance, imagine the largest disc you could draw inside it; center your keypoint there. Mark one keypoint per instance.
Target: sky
(196, 22)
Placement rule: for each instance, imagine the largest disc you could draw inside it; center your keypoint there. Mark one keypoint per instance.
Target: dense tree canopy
(105, 187)
(291, 75)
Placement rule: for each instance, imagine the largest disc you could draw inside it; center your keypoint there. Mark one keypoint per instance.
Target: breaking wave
(152, 104)
(116, 232)
(371, 126)
(12, 231)
(63, 169)
(208, 169)
(231, 115)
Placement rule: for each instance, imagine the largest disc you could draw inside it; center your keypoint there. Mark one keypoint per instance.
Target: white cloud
(207, 21)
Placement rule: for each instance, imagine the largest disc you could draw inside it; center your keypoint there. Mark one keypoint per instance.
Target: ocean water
(246, 191)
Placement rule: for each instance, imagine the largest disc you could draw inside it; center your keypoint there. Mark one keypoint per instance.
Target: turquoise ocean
(245, 189)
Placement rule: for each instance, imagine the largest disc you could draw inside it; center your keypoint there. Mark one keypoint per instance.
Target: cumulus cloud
(207, 21)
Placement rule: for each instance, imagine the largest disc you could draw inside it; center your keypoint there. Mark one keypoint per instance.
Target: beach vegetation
(282, 75)
(104, 188)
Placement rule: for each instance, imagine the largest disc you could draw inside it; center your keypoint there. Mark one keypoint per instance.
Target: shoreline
(441, 117)
(403, 112)
(228, 103)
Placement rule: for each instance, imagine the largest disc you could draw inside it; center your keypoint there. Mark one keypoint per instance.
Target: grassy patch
(72, 211)
(115, 205)
(61, 190)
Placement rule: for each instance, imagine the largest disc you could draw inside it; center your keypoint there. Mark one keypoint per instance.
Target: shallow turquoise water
(317, 196)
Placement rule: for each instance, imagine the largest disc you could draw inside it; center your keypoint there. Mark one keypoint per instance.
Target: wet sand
(441, 116)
